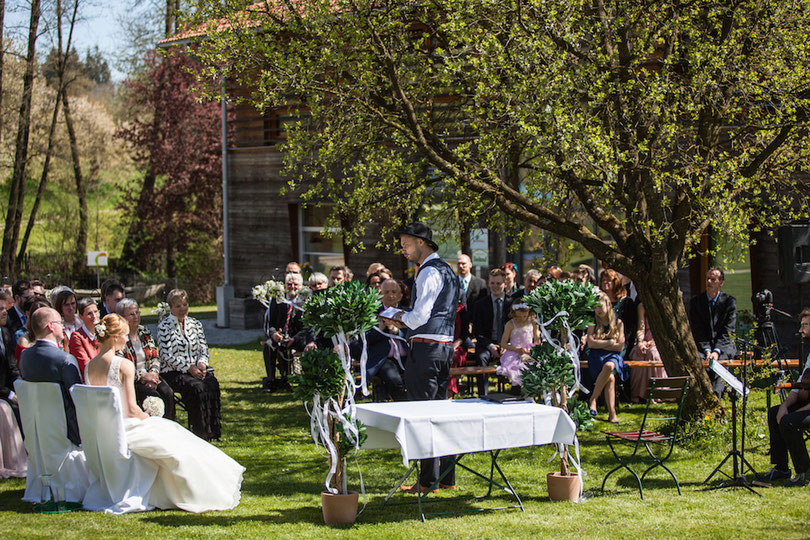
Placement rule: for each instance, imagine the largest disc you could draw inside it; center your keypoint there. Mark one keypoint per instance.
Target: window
(322, 252)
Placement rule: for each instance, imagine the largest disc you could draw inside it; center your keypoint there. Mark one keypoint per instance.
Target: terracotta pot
(340, 508)
(563, 488)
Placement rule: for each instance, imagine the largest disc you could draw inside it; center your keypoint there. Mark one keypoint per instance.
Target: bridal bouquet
(154, 406)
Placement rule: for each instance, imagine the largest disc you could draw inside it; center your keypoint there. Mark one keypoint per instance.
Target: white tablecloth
(426, 429)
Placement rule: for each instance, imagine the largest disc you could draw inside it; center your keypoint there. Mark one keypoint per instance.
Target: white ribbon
(397, 354)
(571, 351)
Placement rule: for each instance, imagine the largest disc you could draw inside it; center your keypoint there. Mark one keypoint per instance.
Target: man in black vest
(429, 328)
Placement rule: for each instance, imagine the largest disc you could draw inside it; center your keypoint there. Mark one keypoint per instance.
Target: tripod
(739, 463)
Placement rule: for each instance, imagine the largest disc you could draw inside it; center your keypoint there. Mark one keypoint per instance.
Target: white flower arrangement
(162, 310)
(101, 330)
(154, 406)
(269, 290)
(304, 294)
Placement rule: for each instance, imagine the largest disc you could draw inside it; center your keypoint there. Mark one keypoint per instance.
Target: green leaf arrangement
(349, 307)
(321, 373)
(550, 370)
(346, 446)
(578, 411)
(553, 297)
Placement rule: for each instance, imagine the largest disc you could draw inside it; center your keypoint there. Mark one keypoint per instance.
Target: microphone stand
(739, 463)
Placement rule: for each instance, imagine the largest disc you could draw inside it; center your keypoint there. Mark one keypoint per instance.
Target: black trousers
(786, 437)
(427, 374)
(202, 402)
(392, 383)
(163, 391)
(483, 357)
(273, 359)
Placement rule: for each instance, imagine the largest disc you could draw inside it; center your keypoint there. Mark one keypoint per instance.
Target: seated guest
(644, 350)
(472, 287)
(318, 281)
(787, 423)
(38, 288)
(520, 334)
(375, 267)
(605, 343)
(44, 361)
(184, 365)
(488, 320)
(140, 349)
(531, 281)
(386, 355)
(66, 305)
(610, 282)
(585, 274)
(83, 344)
(21, 291)
(292, 268)
(9, 372)
(510, 278)
(110, 296)
(282, 321)
(24, 337)
(713, 318)
(553, 273)
(337, 275)
(374, 281)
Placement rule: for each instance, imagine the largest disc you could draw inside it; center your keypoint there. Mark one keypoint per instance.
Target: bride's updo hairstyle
(111, 325)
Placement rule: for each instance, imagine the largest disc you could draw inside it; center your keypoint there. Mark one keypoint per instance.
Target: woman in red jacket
(83, 343)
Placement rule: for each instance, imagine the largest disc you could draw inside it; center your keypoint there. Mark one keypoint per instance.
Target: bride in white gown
(193, 475)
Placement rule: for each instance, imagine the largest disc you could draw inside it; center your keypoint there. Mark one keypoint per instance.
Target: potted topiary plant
(322, 385)
(326, 382)
(553, 373)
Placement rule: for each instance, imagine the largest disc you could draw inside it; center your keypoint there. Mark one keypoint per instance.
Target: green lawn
(269, 434)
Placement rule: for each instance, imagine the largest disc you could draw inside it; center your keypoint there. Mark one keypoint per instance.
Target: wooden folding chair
(670, 389)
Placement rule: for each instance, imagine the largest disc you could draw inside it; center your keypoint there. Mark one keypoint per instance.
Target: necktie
(287, 322)
(497, 326)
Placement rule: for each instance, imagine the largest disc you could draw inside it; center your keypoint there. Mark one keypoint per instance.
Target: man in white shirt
(787, 423)
(430, 325)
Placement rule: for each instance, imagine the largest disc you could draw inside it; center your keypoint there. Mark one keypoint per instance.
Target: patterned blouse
(151, 360)
(179, 351)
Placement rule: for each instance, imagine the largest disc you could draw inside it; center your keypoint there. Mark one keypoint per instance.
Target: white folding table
(431, 429)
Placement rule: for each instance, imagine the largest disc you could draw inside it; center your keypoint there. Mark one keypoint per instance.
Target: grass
(268, 434)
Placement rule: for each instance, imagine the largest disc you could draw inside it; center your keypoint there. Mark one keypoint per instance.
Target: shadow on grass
(301, 514)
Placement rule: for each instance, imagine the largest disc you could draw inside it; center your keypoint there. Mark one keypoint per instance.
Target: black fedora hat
(419, 230)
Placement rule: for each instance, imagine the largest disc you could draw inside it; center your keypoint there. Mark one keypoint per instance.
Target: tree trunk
(2, 49)
(60, 67)
(17, 192)
(669, 324)
(81, 189)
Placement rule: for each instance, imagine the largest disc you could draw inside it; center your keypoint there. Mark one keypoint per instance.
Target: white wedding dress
(192, 475)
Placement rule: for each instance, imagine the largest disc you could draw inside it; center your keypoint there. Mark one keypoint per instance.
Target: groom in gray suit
(44, 361)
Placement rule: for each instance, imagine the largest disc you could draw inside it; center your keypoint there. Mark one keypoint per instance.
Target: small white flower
(101, 330)
(162, 310)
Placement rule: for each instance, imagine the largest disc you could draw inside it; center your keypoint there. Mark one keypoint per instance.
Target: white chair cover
(120, 482)
(53, 461)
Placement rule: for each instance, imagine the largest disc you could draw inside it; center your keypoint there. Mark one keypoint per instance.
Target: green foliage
(346, 446)
(550, 370)
(349, 307)
(553, 297)
(579, 413)
(321, 374)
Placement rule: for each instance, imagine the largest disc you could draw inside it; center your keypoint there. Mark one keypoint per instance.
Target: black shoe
(800, 480)
(776, 474)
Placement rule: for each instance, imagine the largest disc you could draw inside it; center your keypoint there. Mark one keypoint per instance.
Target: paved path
(222, 336)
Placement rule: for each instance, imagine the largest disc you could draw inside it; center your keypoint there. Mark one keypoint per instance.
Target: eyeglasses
(58, 322)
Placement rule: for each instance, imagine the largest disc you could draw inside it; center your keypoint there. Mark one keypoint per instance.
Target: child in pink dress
(520, 334)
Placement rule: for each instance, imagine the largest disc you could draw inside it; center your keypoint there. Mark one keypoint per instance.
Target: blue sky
(99, 26)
